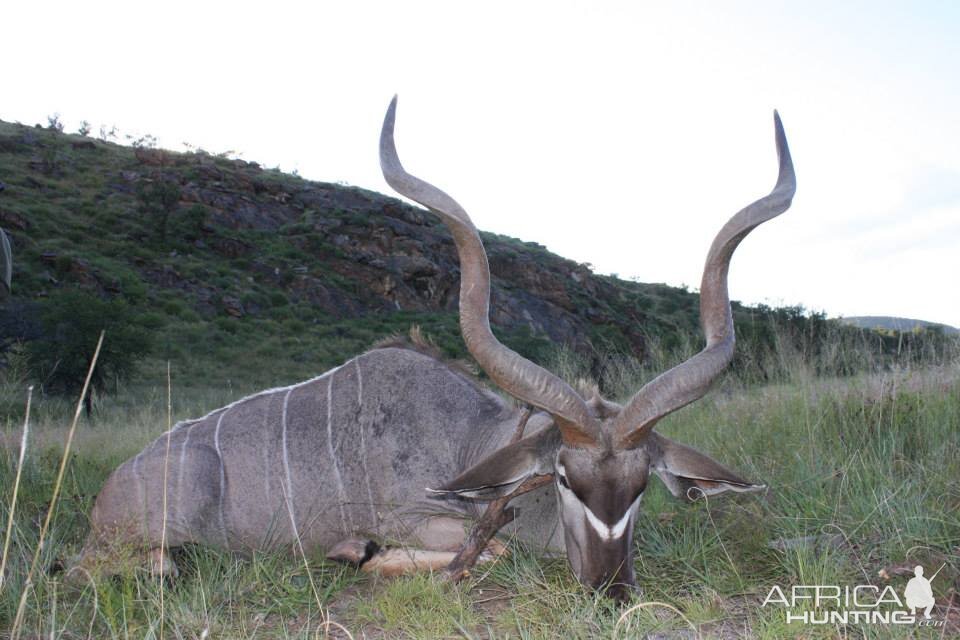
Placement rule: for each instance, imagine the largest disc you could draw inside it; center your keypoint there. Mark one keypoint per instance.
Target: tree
(71, 321)
(54, 123)
(159, 198)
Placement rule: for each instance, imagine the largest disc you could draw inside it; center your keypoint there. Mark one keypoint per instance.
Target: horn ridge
(512, 372)
(691, 379)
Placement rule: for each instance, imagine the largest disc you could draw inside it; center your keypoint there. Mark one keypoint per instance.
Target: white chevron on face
(605, 531)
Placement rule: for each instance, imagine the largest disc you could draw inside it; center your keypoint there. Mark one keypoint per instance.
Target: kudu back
(385, 458)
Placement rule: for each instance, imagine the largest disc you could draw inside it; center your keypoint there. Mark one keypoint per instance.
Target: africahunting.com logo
(859, 604)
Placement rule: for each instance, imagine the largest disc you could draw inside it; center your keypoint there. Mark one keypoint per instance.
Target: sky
(617, 134)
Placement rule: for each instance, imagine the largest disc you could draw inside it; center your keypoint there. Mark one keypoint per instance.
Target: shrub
(53, 156)
(71, 320)
(189, 224)
(54, 123)
(159, 199)
(14, 374)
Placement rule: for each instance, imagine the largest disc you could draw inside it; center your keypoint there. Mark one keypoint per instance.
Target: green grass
(421, 606)
(866, 464)
(81, 205)
(866, 459)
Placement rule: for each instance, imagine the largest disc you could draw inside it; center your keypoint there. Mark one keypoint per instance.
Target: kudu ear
(502, 471)
(690, 474)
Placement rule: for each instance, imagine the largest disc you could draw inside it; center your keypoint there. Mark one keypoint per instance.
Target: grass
(862, 472)
(83, 225)
(862, 469)
(421, 606)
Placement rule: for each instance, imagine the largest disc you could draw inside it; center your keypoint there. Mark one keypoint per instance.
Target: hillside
(888, 323)
(247, 274)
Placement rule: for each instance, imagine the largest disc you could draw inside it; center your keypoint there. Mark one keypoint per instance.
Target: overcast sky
(619, 134)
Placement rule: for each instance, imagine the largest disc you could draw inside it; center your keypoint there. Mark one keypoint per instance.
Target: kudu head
(600, 453)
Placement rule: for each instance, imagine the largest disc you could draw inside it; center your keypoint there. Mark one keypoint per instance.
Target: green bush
(173, 307)
(189, 224)
(159, 199)
(152, 320)
(71, 321)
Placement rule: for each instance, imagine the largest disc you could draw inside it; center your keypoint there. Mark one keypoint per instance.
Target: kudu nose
(620, 592)
(619, 586)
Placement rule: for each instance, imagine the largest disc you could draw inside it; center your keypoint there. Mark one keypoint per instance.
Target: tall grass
(16, 488)
(862, 472)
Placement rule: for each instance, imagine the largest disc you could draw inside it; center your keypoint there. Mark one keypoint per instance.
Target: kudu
(343, 459)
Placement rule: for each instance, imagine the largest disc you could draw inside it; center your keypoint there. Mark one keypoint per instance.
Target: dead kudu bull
(344, 458)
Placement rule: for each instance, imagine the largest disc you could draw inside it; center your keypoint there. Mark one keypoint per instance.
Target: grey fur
(293, 465)
(605, 452)
(297, 461)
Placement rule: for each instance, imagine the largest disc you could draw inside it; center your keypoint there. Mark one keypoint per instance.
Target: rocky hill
(890, 323)
(237, 270)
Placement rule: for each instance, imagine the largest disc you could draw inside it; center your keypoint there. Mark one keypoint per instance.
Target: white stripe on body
(193, 422)
(183, 459)
(363, 444)
(141, 492)
(184, 423)
(266, 453)
(333, 458)
(223, 479)
(288, 493)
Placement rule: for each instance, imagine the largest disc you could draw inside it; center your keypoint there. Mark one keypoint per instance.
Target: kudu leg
(478, 546)
(495, 517)
(371, 558)
(161, 564)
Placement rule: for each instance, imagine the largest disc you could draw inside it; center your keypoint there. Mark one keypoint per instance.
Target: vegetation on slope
(248, 276)
(245, 278)
(894, 324)
(863, 486)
